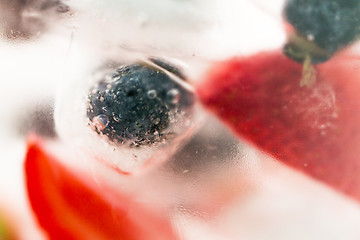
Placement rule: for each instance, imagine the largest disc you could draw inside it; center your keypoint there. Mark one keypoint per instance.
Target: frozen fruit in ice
(139, 103)
(314, 128)
(326, 25)
(71, 204)
(127, 112)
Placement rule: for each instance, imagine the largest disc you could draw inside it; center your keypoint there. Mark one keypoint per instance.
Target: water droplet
(152, 94)
(100, 122)
(173, 96)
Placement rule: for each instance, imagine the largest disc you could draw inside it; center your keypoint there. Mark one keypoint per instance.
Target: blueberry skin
(332, 24)
(138, 104)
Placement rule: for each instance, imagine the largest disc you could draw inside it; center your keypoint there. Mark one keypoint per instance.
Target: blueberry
(329, 24)
(139, 103)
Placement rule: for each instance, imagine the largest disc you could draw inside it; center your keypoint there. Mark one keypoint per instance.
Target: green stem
(299, 47)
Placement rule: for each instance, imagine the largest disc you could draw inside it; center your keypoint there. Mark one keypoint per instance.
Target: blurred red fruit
(313, 129)
(69, 205)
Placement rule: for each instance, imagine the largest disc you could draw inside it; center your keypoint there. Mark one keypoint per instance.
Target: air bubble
(152, 94)
(100, 122)
(173, 96)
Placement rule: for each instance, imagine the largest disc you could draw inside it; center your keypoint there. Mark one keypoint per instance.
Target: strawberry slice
(313, 128)
(69, 205)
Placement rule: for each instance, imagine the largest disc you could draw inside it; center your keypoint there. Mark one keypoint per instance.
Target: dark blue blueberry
(139, 104)
(330, 24)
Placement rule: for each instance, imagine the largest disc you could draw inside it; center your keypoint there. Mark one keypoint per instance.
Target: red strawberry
(69, 205)
(313, 129)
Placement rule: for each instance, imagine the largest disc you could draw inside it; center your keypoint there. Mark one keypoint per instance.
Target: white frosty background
(284, 205)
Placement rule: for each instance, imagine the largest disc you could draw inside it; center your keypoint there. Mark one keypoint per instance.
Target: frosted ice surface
(217, 187)
(24, 20)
